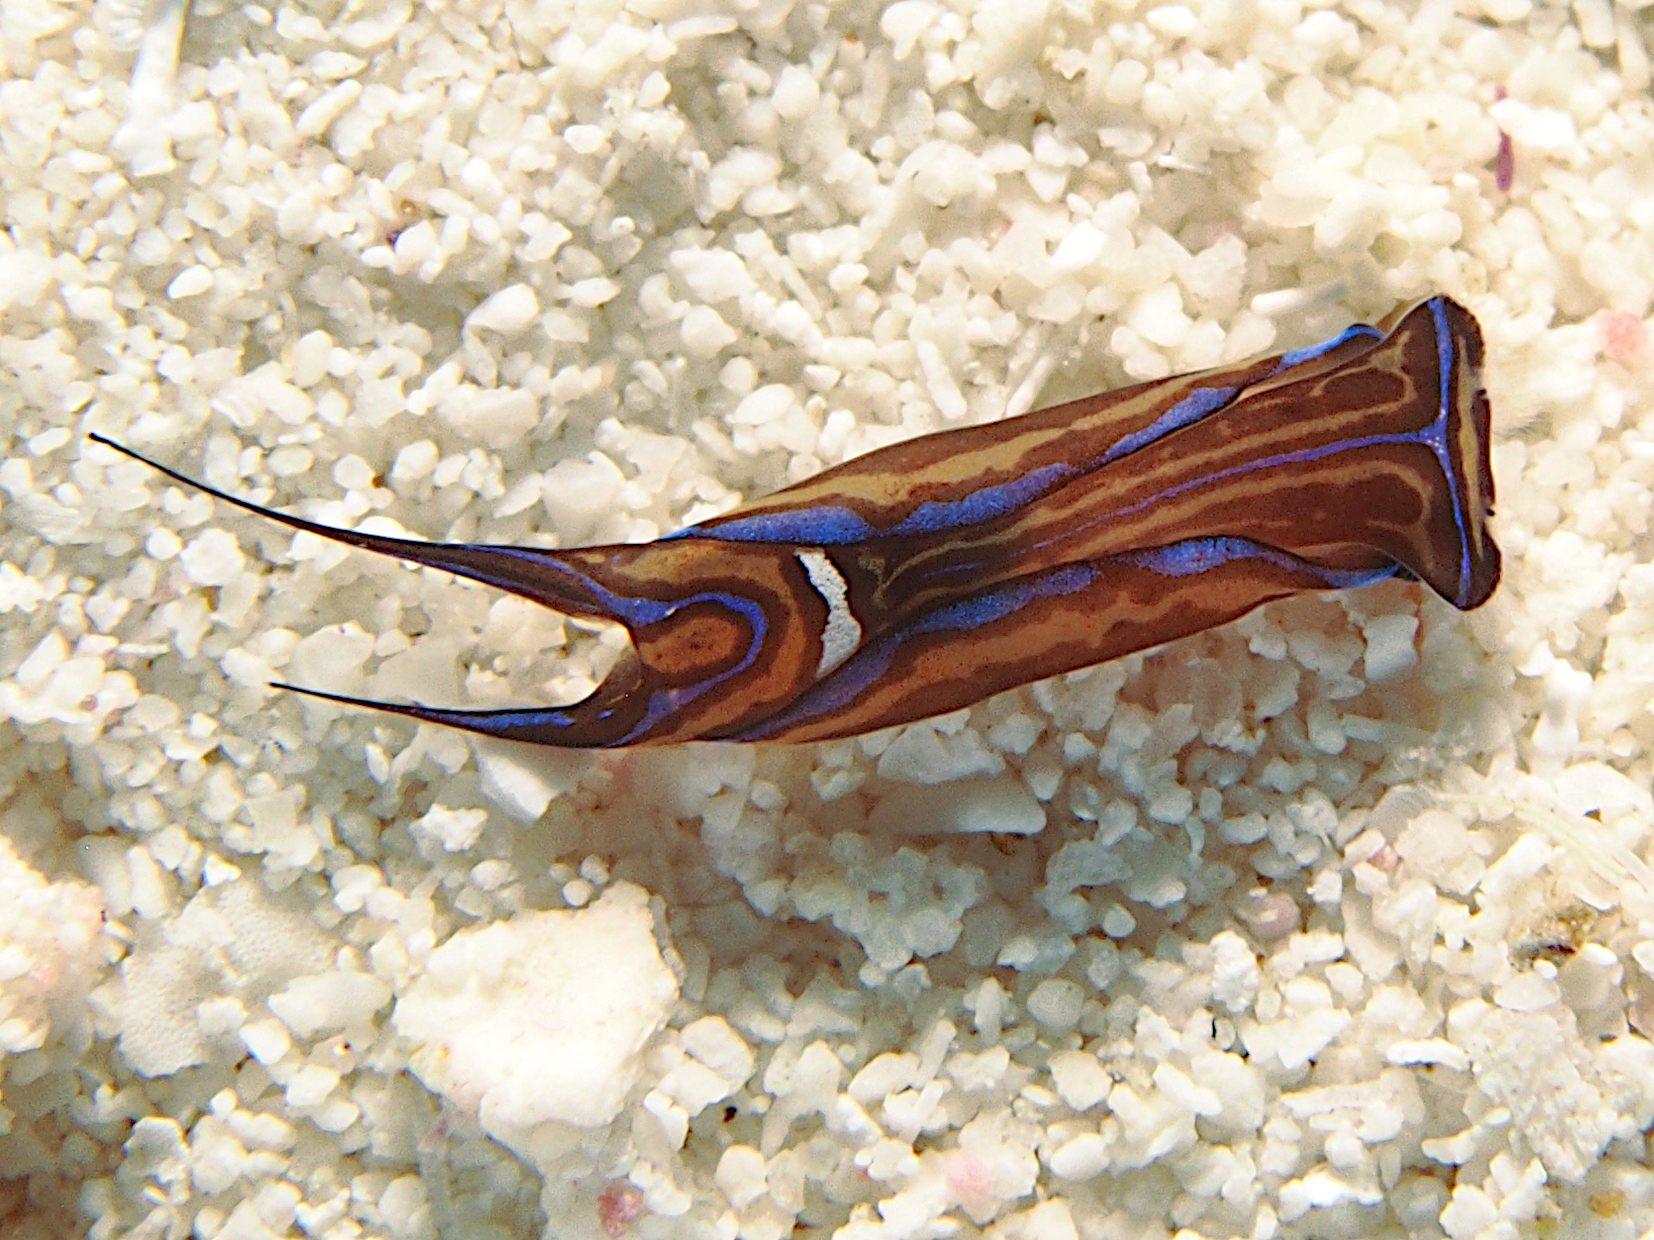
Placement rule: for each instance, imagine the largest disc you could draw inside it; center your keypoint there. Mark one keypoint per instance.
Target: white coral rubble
(1335, 921)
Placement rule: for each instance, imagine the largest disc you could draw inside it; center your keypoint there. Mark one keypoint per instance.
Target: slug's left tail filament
(521, 570)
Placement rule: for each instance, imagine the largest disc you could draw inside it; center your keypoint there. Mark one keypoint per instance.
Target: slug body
(931, 574)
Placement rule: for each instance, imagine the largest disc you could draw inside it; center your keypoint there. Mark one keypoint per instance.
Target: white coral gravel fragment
(541, 1017)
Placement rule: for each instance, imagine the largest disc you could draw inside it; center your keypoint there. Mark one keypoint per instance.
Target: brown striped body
(928, 575)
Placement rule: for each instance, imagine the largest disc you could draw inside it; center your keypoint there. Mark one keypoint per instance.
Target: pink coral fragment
(618, 1207)
(1270, 914)
(1504, 166)
(969, 1177)
(1624, 336)
(1384, 860)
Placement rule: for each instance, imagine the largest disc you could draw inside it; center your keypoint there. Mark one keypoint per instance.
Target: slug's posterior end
(615, 714)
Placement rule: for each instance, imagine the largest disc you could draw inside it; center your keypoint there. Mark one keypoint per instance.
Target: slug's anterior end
(1467, 418)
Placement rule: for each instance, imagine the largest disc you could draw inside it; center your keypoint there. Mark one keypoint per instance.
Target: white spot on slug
(842, 634)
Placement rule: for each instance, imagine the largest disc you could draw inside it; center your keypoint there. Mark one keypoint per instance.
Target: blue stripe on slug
(1193, 407)
(1310, 352)
(832, 526)
(1202, 555)
(980, 609)
(826, 526)
(984, 505)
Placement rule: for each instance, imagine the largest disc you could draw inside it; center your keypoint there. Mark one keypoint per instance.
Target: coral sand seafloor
(1328, 923)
